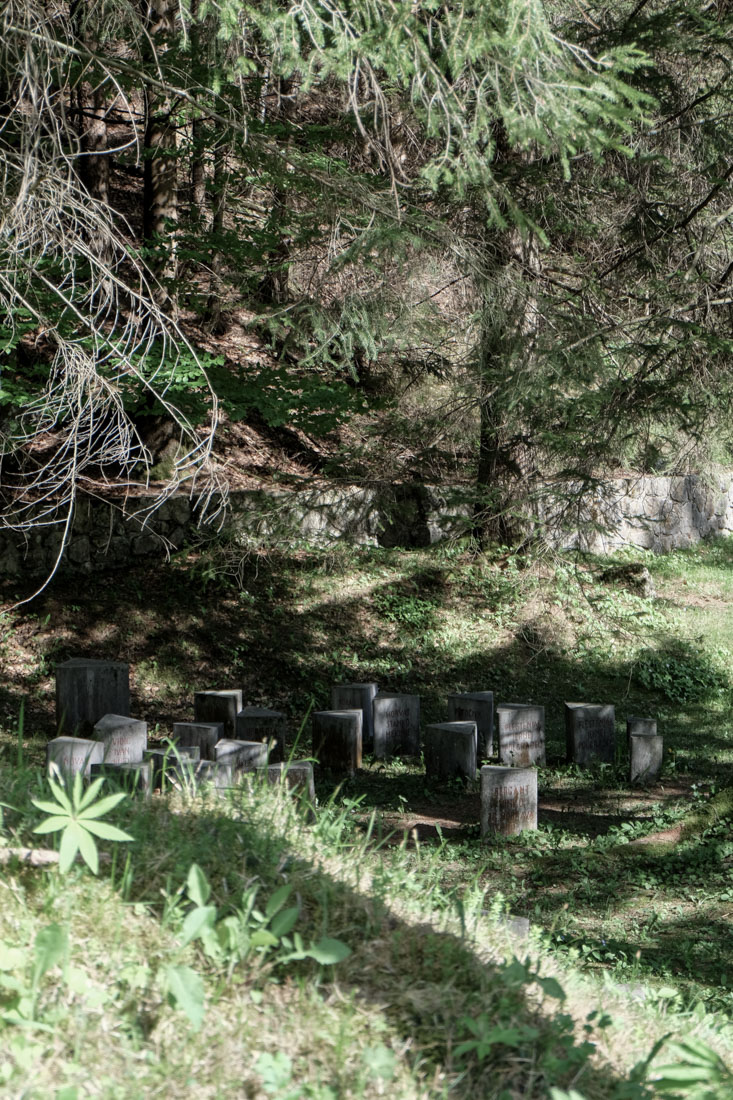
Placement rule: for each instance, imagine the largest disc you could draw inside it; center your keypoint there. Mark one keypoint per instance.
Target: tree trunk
(214, 315)
(274, 286)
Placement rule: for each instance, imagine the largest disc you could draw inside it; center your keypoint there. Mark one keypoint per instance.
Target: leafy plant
(699, 1074)
(20, 997)
(76, 816)
(682, 672)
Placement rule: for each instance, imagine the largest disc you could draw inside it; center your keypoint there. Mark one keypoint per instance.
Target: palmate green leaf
(102, 807)
(104, 830)
(186, 990)
(88, 850)
(61, 796)
(52, 824)
(69, 846)
(91, 793)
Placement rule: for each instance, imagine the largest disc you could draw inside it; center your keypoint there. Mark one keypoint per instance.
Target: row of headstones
(390, 725)
(224, 740)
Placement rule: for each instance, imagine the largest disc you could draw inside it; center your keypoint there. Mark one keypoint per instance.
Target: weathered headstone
(261, 724)
(396, 725)
(450, 750)
(640, 727)
(137, 778)
(86, 690)
(297, 776)
(337, 740)
(218, 706)
(171, 762)
(66, 756)
(508, 800)
(124, 739)
(357, 697)
(220, 775)
(521, 734)
(202, 735)
(243, 755)
(478, 707)
(590, 733)
(646, 753)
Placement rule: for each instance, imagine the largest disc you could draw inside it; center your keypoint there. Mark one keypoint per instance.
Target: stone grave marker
(218, 706)
(478, 707)
(172, 762)
(521, 734)
(297, 776)
(640, 727)
(86, 690)
(243, 755)
(450, 750)
(590, 733)
(135, 778)
(337, 740)
(646, 752)
(66, 756)
(201, 735)
(217, 774)
(396, 725)
(508, 800)
(357, 697)
(261, 724)
(124, 739)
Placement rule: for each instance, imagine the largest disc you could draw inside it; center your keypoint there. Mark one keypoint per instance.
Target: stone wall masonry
(654, 513)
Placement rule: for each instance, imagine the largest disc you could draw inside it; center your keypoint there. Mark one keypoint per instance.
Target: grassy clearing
(649, 919)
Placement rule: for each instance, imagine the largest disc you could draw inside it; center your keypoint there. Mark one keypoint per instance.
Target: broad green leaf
(328, 951)
(186, 989)
(88, 850)
(263, 938)
(197, 886)
(552, 988)
(103, 806)
(11, 957)
(380, 1061)
(48, 807)
(49, 947)
(283, 922)
(60, 795)
(106, 831)
(52, 824)
(197, 922)
(278, 899)
(68, 847)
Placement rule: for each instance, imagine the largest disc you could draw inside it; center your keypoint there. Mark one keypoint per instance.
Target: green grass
(654, 918)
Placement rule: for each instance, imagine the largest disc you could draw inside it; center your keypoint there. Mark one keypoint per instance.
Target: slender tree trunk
(214, 315)
(274, 287)
(160, 192)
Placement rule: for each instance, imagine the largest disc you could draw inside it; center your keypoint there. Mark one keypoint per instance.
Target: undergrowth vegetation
(233, 948)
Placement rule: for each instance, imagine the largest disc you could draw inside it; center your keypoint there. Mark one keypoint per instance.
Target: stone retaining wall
(656, 513)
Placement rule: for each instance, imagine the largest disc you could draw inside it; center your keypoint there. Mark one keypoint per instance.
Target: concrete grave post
(646, 752)
(337, 740)
(261, 724)
(590, 733)
(243, 755)
(136, 778)
(86, 690)
(396, 725)
(640, 727)
(201, 735)
(357, 697)
(172, 762)
(521, 734)
(450, 750)
(124, 739)
(297, 776)
(478, 707)
(218, 706)
(66, 756)
(508, 800)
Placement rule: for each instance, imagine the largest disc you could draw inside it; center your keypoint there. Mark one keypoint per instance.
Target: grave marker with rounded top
(243, 755)
(203, 735)
(396, 725)
(478, 707)
(590, 733)
(646, 752)
(124, 739)
(450, 750)
(337, 740)
(508, 800)
(357, 697)
(218, 706)
(68, 756)
(86, 690)
(261, 724)
(521, 734)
